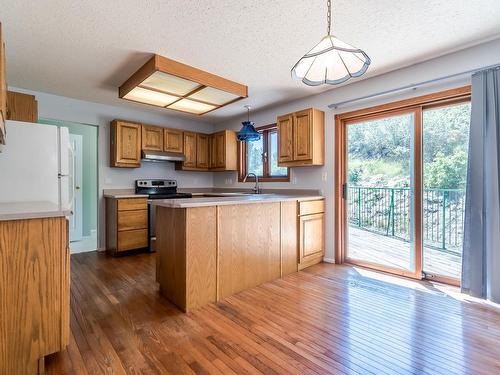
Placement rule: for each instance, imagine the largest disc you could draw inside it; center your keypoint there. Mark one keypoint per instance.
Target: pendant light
(248, 132)
(331, 61)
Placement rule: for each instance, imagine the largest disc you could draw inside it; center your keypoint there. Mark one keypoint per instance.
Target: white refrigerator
(35, 164)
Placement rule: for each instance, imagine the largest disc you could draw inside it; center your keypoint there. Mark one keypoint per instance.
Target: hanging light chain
(329, 17)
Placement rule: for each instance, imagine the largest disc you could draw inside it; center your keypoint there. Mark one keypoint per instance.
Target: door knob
(77, 187)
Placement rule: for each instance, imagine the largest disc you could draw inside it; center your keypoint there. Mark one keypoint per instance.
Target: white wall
(63, 108)
(311, 177)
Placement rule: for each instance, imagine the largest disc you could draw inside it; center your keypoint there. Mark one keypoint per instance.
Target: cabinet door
(220, 150)
(125, 144)
(212, 152)
(190, 149)
(152, 138)
(202, 151)
(303, 135)
(172, 140)
(285, 138)
(311, 236)
(3, 90)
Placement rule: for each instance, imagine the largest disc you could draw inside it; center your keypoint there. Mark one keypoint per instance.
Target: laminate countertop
(231, 199)
(30, 210)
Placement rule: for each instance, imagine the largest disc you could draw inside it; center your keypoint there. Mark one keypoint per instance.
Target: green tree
(447, 172)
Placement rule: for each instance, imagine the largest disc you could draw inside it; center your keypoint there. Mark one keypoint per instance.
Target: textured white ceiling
(86, 49)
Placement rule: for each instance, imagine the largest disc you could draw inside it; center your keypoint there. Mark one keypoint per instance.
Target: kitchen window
(261, 157)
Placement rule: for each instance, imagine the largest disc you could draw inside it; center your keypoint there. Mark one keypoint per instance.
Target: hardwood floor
(326, 319)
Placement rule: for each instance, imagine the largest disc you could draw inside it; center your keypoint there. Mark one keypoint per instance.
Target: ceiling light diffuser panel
(172, 85)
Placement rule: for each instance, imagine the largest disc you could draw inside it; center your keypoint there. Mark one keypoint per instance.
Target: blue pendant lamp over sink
(248, 132)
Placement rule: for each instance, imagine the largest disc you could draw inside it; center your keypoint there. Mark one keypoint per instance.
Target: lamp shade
(331, 61)
(248, 132)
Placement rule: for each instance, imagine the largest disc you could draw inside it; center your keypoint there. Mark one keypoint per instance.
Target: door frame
(341, 121)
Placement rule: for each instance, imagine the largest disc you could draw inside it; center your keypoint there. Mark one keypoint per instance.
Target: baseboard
(328, 260)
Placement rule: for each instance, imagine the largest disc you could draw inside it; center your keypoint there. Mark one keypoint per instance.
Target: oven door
(152, 217)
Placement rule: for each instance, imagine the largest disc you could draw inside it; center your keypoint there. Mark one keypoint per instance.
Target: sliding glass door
(380, 192)
(401, 170)
(445, 154)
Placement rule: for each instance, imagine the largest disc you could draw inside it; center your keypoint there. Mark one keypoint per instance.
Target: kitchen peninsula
(212, 247)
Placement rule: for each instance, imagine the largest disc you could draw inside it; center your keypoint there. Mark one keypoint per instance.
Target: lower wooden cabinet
(311, 232)
(35, 292)
(126, 224)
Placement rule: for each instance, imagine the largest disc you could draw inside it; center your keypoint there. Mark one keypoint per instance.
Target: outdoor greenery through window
(380, 188)
(261, 157)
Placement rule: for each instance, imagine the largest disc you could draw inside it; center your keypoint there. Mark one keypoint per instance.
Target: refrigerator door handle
(71, 178)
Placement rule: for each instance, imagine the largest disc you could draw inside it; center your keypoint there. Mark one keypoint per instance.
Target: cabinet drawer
(132, 204)
(132, 239)
(311, 207)
(133, 219)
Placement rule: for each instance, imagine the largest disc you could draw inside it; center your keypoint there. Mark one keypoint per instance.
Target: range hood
(162, 156)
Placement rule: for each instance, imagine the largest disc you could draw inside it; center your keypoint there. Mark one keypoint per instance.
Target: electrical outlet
(294, 181)
(108, 180)
(324, 176)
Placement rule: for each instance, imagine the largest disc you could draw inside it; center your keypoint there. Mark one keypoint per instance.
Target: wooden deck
(328, 319)
(392, 252)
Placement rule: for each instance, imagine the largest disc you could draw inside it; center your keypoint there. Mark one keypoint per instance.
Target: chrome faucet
(256, 188)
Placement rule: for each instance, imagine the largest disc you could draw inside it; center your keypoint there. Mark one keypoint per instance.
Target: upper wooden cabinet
(173, 140)
(3, 89)
(152, 138)
(224, 151)
(214, 152)
(189, 150)
(202, 151)
(301, 137)
(125, 144)
(21, 107)
(285, 136)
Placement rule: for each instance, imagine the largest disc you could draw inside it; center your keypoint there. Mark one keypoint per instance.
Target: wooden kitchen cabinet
(126, 144)
(173, 140)
(223, 151)
(152, 138)
(126, 224)
(3, 89)
(189, 141)
(35, 310)
(311, 233)
(202, 151)
(21, 107)
(301, 138)
(285, 138)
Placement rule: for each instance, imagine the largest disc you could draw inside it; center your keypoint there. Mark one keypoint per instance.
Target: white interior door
(76, 173)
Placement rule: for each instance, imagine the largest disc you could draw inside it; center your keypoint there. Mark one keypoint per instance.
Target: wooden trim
(197, 75)
(136, 79)
(424, 100)
(163, 64)
(418, 181)
(242, 160)
(381, 268)
(416, 105)
(340, 218)
(441, 279)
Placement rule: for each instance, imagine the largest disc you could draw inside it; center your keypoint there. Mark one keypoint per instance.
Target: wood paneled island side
(209, 249)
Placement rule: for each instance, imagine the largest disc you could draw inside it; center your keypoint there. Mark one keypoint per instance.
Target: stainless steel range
(157, 189)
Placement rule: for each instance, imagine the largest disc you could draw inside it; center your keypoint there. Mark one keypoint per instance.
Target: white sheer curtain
(481, 250)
